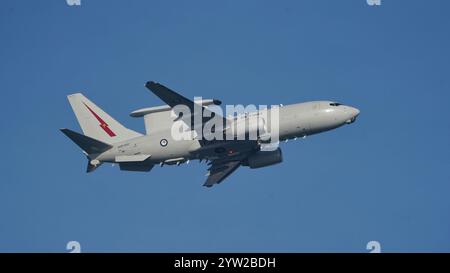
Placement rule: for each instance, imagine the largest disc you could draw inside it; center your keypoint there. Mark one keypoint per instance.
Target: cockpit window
(335, 104)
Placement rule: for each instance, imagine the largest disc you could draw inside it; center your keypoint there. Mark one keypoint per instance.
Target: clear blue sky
(385, 177)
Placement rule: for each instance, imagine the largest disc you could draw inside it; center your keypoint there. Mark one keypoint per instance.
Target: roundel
(164, 142)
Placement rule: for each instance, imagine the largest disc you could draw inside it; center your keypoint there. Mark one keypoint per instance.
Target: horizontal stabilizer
(87, 144)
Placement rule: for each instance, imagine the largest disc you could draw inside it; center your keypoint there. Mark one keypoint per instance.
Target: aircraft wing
(173, 99)
(219, 171)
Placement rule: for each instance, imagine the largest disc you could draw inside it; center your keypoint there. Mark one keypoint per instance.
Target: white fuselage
(295, 120)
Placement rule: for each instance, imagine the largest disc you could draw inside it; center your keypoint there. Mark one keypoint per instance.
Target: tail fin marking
(96, 123)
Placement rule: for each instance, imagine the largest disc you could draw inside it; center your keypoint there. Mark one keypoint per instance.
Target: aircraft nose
(354, 113)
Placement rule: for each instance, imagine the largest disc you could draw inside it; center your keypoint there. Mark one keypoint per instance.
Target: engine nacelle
(265, 158)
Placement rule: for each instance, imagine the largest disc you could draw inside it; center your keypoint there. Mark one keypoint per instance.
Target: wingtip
(78, 94)
(67, 132)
